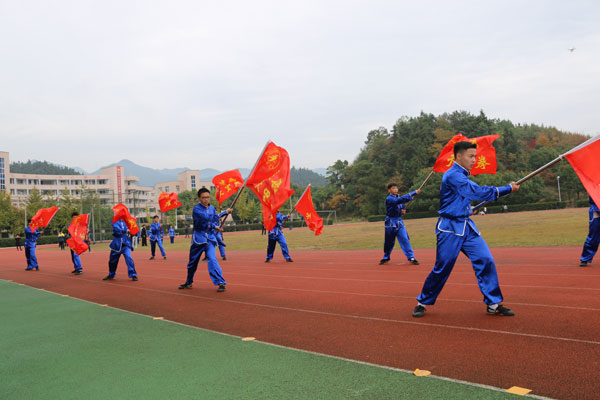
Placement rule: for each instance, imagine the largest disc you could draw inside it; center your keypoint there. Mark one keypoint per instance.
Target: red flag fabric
(121, 212)
(227, 184)
(486, 155)
(78, 229)
(306, 208)
(168, 201)
(586, 163)
(42, 218)
(270, 181)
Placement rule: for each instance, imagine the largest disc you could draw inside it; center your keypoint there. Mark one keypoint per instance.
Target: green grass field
(567, 227)
(56, 347)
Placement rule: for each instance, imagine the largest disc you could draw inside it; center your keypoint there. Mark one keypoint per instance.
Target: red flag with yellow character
(270, 181)
(121, 212)
(42, 217)
(305, 207)
(486, 155)
(78, 229)
(227, 184)
(168, 201)
(586, 163)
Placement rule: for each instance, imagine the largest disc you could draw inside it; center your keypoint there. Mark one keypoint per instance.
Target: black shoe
(501, 310)
(28, 269)
(164, 257)
(583, 264)
(289, 260)
(78, 272)
(151, 258)
(384, 261)
(185, 286)
(413, 261)
(108, 278)
(37, 268)
(267, 260)
(134, 278)
(221, 288)
(224, 258)
(419, 311)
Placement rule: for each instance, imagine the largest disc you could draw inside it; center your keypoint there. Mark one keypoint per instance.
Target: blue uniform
(204, 240)
(221, 243)
(120, 245)
(74, 257)
(172, 234)
(276, 236)
(156, 235)
(456, 232)
(31, 238)
(394, 226)
(590, 246)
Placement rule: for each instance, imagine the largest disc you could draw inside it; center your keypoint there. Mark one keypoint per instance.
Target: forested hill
(304, 176)
(41, 168)
(406, 155)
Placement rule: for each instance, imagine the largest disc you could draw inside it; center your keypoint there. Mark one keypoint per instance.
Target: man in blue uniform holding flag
(78, 269)
(31, 238)
(156, 237)
(120, 245)
(206, 220)
(456, 232)
(276, 236)
(394, 226)
(590, 247)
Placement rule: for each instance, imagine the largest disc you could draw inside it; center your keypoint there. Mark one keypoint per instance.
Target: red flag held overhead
(305, 207)
(168, 201)
(121, 212)
(486, 155)
(42, 217)
(78, 229)
(586, 163)
(227, 184)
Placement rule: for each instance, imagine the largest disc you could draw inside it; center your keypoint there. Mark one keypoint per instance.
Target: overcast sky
(204, 84)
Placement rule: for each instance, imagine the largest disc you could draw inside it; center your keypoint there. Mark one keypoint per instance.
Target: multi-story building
(112, 186)
(186, 180)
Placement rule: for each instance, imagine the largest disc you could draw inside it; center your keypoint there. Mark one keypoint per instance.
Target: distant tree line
(41, 168)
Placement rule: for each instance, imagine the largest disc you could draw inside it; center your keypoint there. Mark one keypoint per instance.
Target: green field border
(58, 347)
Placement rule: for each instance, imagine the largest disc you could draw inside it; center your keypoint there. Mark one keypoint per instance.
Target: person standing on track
(18, 242)
(394, 226)
(78, 269)
(156, 237)
(203, 240)
(456, 232)
(276, 236)
(590, 247)
(31, 238)
(120, 245)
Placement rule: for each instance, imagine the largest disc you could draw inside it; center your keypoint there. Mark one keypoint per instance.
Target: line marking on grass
(157, 318)
(496, 389)
(518, 390)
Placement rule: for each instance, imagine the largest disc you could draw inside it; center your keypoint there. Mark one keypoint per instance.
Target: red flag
(121, 212)
(227, 184)
(486, 155)
(42, 218)
(168, 201)
(586, 163)
(78, 229)
(270, 181)
(305, 207)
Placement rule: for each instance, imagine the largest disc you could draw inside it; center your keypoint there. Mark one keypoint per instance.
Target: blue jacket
(31, 237)
(171, 232)
(276, 231)
(120, 238)
(394, 206)
(156, 232)
(593, 209)
(205, 219)
(456, 193)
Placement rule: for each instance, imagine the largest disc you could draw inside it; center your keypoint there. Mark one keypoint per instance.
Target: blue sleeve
(472, 191)
(391, 200)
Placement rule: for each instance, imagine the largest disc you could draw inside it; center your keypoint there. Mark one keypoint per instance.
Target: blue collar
(462, 169)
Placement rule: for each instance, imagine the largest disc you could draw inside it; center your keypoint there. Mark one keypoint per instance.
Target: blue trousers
(476, 249)
(113, 261)
(222, 251)
(76, 261)
(172, 239)
(590, 247)
(153, 244)
(391, 234)
(31, 258)
(214, 269)
(282, 243)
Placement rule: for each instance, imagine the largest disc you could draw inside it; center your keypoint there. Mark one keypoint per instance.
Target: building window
(167, 189)
(2, 182)
(21, 181)
(193, 181)
(177, 188)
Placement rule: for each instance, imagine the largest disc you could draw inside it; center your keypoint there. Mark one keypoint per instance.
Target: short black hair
(74, 214)
(203, 190)
(156, 216)
(391, 185)
(459, 147)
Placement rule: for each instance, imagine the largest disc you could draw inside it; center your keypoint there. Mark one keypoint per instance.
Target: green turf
(56, 347)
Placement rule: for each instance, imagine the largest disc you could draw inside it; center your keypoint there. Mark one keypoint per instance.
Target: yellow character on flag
(308, 215)
(231, 180)
(228, 187)
(450, 161)
(482, 163)
(222, 182)
(266, 195)
(275, 185)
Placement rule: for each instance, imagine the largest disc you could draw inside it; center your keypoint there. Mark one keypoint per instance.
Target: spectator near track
(156, 237)
(172, 234)
(590, 247)
(456, 232)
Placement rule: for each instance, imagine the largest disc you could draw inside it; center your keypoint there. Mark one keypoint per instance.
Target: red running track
(343, 304)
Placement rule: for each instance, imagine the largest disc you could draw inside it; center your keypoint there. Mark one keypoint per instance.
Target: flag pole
(421, 187)
(244, 185)
(300, 198)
